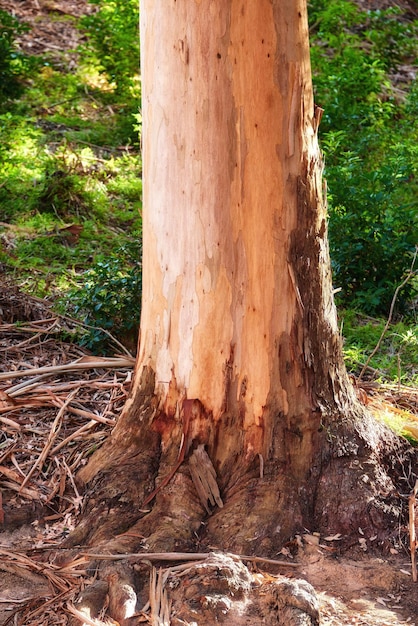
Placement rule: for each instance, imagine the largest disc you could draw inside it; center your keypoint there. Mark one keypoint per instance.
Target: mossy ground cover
(68, 163)
(70, 170)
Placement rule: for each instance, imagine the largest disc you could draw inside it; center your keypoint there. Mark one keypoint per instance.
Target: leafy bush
(114, 32)
(370, 140)
(113, 45)
(108, 297)
(13, 64)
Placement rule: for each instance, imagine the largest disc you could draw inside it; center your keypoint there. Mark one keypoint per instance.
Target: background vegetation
(364, 65)
(70, 185)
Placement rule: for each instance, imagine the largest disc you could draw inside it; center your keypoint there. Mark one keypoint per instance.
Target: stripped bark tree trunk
(240, 357)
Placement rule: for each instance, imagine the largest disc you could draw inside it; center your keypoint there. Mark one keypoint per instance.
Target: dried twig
(153, 557)
(51, 437)
(412, 531)
(84, 363)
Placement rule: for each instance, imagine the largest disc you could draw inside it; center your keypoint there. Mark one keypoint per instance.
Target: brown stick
(412, 531)
(181, 556)
(81, 364)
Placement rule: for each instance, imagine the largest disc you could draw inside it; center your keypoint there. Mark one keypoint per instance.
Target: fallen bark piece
(204, 479)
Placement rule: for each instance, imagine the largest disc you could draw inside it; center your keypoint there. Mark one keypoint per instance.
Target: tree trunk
(240, 398)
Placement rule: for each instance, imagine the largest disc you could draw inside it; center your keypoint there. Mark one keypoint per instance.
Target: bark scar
(295, 287)
(295, 104)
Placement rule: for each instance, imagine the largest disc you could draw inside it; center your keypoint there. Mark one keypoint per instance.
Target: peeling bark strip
(204, 479)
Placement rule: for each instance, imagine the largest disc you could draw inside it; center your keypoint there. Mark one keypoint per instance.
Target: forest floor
(52, 420)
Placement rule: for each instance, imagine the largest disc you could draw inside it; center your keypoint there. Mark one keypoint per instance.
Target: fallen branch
(153, 557)
(84, 363)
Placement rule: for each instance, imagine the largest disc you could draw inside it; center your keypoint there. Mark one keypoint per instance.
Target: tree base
(355, 482)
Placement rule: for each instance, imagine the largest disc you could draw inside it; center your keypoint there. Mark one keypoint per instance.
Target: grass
(70, 156)
(397, 358)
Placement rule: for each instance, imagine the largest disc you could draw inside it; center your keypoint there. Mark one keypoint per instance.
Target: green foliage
(14, 65)
(114, 32)
(63, 161)
(108, 296)
(370, 139)
(112, 47)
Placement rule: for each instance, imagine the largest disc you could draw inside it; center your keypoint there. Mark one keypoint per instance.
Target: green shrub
(114, 32)
(113, 46)
(108, 296)
(14, 65)
(370, 139)
(397, 356)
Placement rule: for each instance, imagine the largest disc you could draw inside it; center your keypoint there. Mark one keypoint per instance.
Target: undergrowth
(397, 358)
(364, 73)
(70, 171)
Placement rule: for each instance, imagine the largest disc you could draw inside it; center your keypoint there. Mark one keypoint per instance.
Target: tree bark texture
(239, 353)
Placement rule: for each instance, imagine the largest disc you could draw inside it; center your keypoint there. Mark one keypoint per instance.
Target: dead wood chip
(204, 478)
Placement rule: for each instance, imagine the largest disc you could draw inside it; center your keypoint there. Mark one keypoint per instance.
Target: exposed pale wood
(204, 478)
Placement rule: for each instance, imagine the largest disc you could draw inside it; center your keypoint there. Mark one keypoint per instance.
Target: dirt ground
(359, 586)
(352, 589)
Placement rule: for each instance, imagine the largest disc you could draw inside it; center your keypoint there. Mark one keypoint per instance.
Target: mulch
(58, 403)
